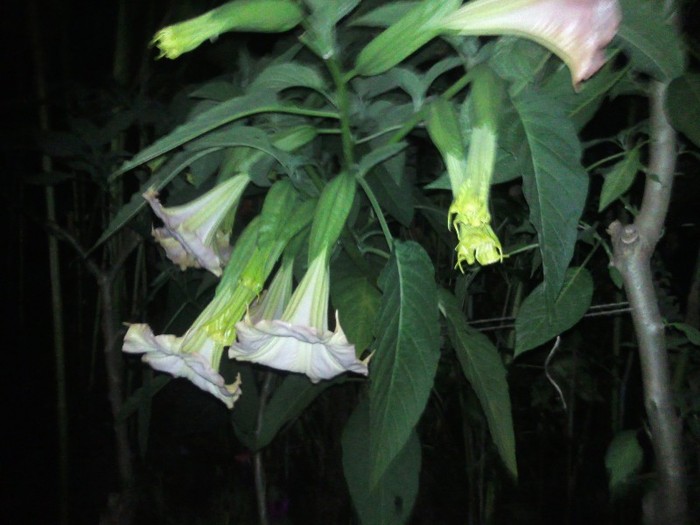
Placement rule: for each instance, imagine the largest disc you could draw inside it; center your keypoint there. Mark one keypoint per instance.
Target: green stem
(259, 468)
(378, 212)
(344, 109)
(375, 251)
(605, 160)
(290, 110)
(411, 123)
(522, 249)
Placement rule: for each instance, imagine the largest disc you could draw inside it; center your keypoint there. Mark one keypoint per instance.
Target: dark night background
(77, 38)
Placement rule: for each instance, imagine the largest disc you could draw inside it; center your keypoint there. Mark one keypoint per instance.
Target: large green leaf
(142, 396)
(623, 461)
(483, 368)
(200, 124)
(288, 401)
(535, 324)
(513, 154)
(235, 109)
(690, 332)
(384, 15)
(581, 105)
(555, 184)
(357, 301)
(391, 500)
(619, 178)
(405, 361)
(405, 36)
(683, 103)
(277, 77)
(320, 24)
(653, 44)
(235, 136)
(167, 172)
(377, 156)
(519, 61)
(395, 196)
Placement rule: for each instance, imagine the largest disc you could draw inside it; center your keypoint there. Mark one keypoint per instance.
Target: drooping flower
(267, 16)
(575, 30)
(469, 212)
(191, 234)
(471, 173)
(197, 354)
(300, 341)
(166, 353)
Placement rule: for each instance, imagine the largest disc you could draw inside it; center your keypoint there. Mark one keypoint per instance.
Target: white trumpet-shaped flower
(166, 353)
(300, 340)
(575, 30)
(191, 234)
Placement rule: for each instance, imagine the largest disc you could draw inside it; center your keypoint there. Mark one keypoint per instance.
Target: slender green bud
(260, 16)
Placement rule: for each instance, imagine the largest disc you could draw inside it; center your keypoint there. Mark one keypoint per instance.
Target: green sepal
(415, 29)
(444, 130)
(332, 211)
(260, 16)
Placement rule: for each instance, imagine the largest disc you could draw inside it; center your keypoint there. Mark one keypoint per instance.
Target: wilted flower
(240, 15)
(575, 30)
(300, 340)
(167, 353)
(469, 212)
(477, 244)
(191, 234)
(470, 175)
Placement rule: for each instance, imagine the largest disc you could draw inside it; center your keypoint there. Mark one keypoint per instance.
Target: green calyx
(264, 16)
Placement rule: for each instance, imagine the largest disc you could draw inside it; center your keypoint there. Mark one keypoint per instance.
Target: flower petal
(195, 226)
(576, 30)
(296, 348)
(164, 353)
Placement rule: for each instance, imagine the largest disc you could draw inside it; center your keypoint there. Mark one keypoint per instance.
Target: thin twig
(549, 376)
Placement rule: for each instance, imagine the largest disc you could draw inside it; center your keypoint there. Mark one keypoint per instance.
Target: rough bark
(633, 246)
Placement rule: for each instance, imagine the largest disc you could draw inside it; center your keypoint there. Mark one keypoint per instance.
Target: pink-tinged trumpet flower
(575, 30)
(300, 340)
(192, 234)
(166, 353)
